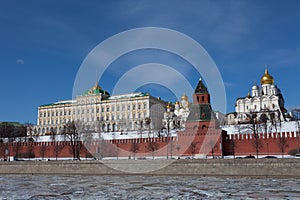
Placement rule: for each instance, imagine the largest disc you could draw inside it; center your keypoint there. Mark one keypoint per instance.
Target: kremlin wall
(202, 137)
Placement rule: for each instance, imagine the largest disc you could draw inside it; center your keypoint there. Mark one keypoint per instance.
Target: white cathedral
(264, 103)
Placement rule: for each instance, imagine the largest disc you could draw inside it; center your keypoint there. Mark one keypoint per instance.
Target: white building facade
(264, 103)
(98, 111)
(176, 115)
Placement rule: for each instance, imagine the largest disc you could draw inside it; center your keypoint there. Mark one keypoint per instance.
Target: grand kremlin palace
(99, 111)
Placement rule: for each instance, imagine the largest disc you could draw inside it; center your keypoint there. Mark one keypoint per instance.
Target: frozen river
(146, 187)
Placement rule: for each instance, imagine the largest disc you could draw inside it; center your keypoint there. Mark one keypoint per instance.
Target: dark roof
(201, 112)
(18, 124)
(201, 88)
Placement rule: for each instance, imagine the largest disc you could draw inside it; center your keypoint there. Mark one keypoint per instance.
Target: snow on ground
(112, 136)
(246, 128)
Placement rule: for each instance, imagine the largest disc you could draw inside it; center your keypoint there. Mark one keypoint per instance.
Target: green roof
(57, 103)
(201, 88)
(201, 112)
(95, 90)
(18, 124)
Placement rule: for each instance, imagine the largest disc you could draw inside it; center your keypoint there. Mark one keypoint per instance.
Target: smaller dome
(254, 87)
(96, 87)
(95, 90)
(266, 78)
(273, 86)
(169, 105)
(184, 97)
(176, 103)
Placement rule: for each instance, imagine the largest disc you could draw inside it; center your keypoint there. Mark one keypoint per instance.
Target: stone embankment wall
(285, 168)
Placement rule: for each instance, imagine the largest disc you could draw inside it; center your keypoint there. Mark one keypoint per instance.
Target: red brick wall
(239, 144)
(243, 144)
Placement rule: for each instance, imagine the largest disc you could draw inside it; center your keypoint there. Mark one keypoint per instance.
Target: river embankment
(197, 167)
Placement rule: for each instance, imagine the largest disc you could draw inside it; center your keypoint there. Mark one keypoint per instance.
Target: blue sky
(43, 43)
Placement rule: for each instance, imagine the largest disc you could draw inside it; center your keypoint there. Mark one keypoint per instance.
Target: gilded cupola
(266, 78)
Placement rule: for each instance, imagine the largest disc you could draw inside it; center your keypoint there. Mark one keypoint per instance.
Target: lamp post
(7, 153)
(167, 137)
(298, 123)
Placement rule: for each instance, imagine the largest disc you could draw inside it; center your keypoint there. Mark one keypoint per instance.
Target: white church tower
(266, 102)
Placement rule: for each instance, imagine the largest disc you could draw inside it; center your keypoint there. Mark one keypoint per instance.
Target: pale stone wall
(230, 167)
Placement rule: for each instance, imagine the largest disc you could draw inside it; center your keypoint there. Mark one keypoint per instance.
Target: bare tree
(52, 134)
(193, 148)
(2, 149)
(30, 130)
(211, 145)
(282, 144)
(255, 127)
(148, 123)
(57, 149)
(153, 146)
(256, 143)
(30, 150)
(43, 149)
(134, 148)
(234, 146)
(178, 150)
(296, 115)
(71, 134)
(17, 148)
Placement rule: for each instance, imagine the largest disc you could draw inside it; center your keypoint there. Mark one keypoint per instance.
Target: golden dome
(266, 78)
(169, 105)
(184, 97)
(176, 103)
(96, 86)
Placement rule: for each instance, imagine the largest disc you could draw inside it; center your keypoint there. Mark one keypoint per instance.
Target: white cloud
(20, 61)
